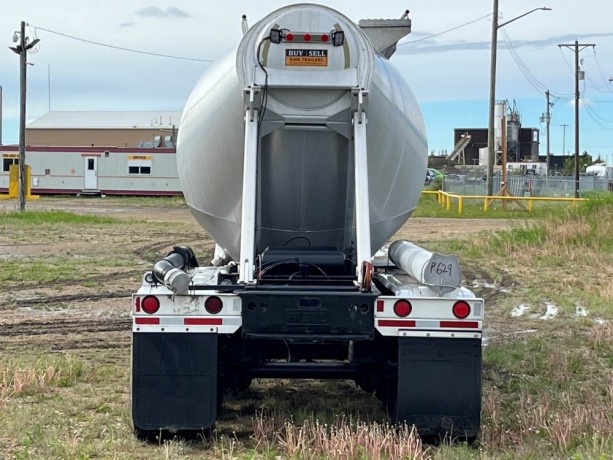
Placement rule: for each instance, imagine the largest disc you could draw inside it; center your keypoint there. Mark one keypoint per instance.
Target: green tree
(585, 159)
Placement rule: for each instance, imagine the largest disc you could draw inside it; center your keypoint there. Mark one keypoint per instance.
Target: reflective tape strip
(203, 321)
(460, 324)
(396, 323)
(146, 320)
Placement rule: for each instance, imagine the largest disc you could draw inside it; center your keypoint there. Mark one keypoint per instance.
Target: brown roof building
(119, 129)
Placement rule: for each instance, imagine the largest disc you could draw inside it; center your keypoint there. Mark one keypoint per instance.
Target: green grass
(56, 269)
(562, 258)
(548, 393)
(53, 217)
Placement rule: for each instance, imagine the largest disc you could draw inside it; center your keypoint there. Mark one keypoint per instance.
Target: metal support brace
(362, 210)
(247, 248)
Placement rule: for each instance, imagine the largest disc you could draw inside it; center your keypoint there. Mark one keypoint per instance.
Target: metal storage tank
(305, 162)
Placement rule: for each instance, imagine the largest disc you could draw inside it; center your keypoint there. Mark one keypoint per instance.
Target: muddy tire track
(67, 334)
(49, 300)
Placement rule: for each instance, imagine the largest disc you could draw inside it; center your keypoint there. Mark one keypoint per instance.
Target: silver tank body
(306, 171)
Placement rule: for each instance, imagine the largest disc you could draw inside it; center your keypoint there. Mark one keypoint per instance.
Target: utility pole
(577, 47)
(564, 141)
(22, 50)
(491, 148)
(546, 117)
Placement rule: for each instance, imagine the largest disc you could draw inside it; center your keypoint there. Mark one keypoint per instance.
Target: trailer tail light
(461, 309)
(337, 37)
(403, 308)
(137, 304)
(213, 305)
(380, 305)
(150, 304)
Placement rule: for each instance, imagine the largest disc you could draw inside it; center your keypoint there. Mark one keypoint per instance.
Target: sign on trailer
(305, 57)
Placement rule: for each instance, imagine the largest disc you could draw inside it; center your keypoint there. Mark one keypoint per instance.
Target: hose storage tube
(439, 272)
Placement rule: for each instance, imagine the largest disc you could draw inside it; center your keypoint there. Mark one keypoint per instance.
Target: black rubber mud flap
(174, 381)
(439, 387)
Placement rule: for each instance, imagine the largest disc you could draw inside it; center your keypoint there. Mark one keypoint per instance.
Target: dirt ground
(94, 313)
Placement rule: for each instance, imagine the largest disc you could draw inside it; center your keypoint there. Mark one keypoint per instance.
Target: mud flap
(174, 381)
(439, 386)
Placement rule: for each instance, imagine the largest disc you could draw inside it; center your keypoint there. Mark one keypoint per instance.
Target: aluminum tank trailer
(301, 153)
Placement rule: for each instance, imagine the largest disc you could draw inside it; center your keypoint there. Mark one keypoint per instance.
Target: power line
(605, 79)
(594, 115)
(532, 79)
(445, 31)
(520, 64)
(91, 42)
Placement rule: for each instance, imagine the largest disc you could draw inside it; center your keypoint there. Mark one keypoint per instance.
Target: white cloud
(155, 12)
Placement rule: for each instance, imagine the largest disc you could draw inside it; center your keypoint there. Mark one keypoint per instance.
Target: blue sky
(449, 73)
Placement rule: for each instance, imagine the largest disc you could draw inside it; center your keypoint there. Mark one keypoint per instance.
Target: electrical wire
(597, 118)
(522, 67)
(607, 84)
(566, 60)
(532, 79)
(264, 102)
(121, 48)
(445, 31)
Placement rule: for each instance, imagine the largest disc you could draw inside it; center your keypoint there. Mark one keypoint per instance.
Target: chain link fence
(525, 185)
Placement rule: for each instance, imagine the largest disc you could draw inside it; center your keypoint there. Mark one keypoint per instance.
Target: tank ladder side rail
(248, 212)
(362, 201)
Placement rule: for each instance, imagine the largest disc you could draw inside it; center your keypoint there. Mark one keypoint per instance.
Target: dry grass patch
(19, 377)
(344, 440)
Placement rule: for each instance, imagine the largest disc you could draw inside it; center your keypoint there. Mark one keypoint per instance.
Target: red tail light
(403, 308)
(325, 37)
(137, 304)
(461, 309)
(213, 305)
(289, 36)
(307, 37)
(150, 304)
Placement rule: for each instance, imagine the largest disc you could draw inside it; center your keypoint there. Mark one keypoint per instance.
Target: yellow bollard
(460, 204)
(530, 205)
(14, 182)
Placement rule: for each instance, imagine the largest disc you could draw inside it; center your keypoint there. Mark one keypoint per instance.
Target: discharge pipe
(171, 270)
(439, 272)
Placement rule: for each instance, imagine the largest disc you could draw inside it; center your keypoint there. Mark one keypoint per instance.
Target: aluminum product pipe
(170, 271)
(439, 272)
